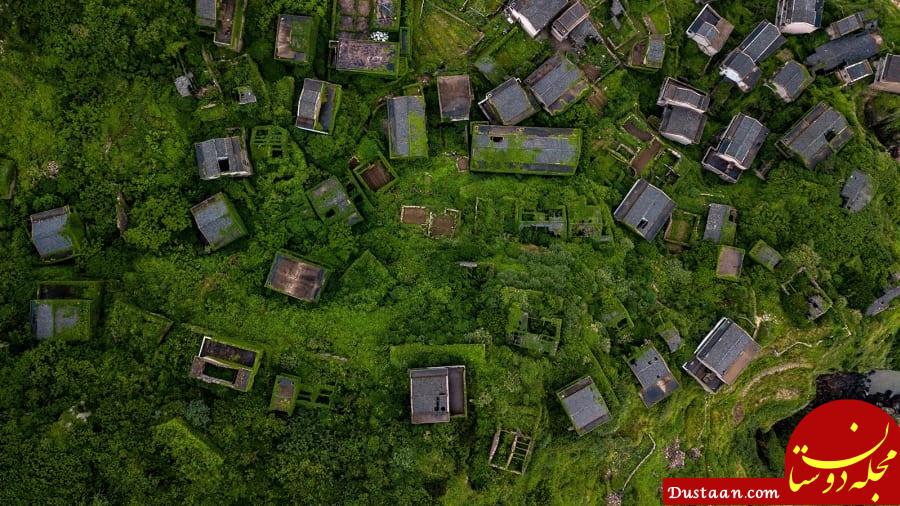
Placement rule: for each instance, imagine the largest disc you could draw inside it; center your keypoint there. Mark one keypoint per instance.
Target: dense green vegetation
(88, 85)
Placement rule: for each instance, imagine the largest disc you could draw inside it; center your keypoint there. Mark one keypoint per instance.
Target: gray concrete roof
(791, 80)
(857, 191)
(437, 393)
(742, 140)
(682, 124)
(218, 222)
(656, 379)
(727, 350)
(716, 218)
(585, 406)
(844, 51)
(821, 132)
(405, 115)
(556, 83)
(539, 13)
(884, 302)
(508, 104)
(645, 209)
(799, 11)
(48, 233)
(223, 156)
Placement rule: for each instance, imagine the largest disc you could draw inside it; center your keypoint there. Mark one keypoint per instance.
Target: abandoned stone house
(332, 204)
(799, 16)
(737, 148)
(295, 38)
(721, 224)
(454, 97)
(883, 303)
(218, 221)
(844, 51)
(722, 356)
(245, 95)
(849, 24)
(296, 278)
(535, 15)
(317, 106)
(226, 362)
(525, 150)
(284, 394)
(645, 209)
(437, 394)
(508, 104)
(683, 115)
(887, 74)
(820, 133)
(709, 30)
(741, 64)
(184, 84)
(56, 234)
(652, 372)
(857, 191)
(790, 81)
(557, 84)
(222, 157)
(584, 405)
(855, 72)
(407, 136)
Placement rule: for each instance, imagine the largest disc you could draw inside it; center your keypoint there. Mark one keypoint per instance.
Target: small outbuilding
(586, 408)
(218, 221)
(437, 394)
(508, 104)
(332, 204)
(454, 97)
(295, 277)
(765, 255)
(56, 234)
(652, 372)
(645, 209)
(730, 263)
(855, 72)
(722, 356)
(284, 394)
(857, 191)
(850, 24)
(222, 157)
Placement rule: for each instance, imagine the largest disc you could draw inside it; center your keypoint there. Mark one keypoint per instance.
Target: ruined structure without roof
(245, 95)
(849, 24)
(645, 209)
(229, 23)
(535, 15)
(887, 74)
(709, 30)
(821, 132)
(857, 191)
(844, 51)
(585, 406)
(855, 72)
(454, 97)
(765, 255)
(317, 106)
(557, 84)
(510, 451)
(652, 372)
(508, 104)
(218, 221)
(66, 310)
(222, 157)
(295, 39)
(790, 81)
(407, 136)
(296, 278)
(722, 356)
(226, 362)
(799, 16)
(721, 224)
(366, 56)
(332, 204)
(741, 66)
(730, 263)
(56, 234)
(525, 150)
(437, 394)
(737, 148)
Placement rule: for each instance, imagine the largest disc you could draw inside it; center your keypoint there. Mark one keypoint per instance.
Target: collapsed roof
(821, 132)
